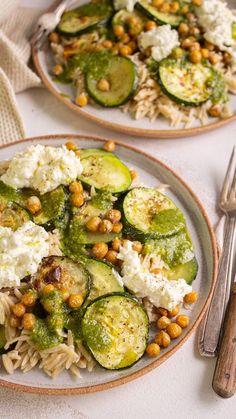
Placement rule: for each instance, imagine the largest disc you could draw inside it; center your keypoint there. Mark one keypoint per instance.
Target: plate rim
(164, 357)
(140, 132)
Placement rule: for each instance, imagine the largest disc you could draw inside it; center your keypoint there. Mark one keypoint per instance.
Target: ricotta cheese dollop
(162, 41)
(21, 252)
(125, 4)
(160, 291)
(216, 19)
(42, 168)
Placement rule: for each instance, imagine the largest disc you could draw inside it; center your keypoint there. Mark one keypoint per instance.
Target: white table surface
(181, 387)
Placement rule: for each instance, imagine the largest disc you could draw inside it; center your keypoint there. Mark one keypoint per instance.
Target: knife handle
(224, 380)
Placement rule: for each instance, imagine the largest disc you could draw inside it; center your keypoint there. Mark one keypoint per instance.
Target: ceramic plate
(151, 172)
(106, 117)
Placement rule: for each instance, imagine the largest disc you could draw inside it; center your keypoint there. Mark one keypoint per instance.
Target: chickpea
(197, 2)
(137, 246)
(215, 111)
(77, 199)
(195, 46)
(162, 311)
(118, 30)
(111, 256)
(165, 8)
(213, 58)
(15, 321)
(174, 312)
(107, 43)
(163, 322)
(183, 29)
(182, 321)
(75, 300)
(116, 244)
(81, 100)
(133, 174)
(209, 45)
(48, 289)
(125, 50)
(132, 20)
(162, 339)
(157, 3)
(174, 7)
(71, 146)
(18, 309)
(191, 297)
(125, 38)
(150, 25)
(117, 228)
(109, 146)
(29, 299)
(194, 31)
(64, 293)
(174, 330)
(185, 9)
(93, 224)
(105, 226)
(186, 43)
(76, 187)
(178, 52)
(54, 38)
(190, 17)
(57, 70)
(227, 58)
(28, 321)
(99, 250)
(205, 52)
(135, 31)
(195, 56)
(133, 45)
(113, 215)
(153, 350)
(33, 204)
(103, 85)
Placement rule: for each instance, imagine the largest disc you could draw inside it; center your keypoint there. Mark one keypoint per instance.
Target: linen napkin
(15, 75)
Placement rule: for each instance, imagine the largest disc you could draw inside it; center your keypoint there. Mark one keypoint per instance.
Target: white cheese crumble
(216, 19)
(125, 4)
(162, 41)
(42, 168)
(160, 291)
(21, 252)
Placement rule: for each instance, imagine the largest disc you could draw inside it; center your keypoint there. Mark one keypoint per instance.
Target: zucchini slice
(103, 279)
(186, 83)
(85, 18)
(53, 209)
(122, 18)
(9, 195)
(234, 31)
(150, 214)
(121, 75)
(115, 329)
(162, 18)
(187, 271)
(63, 272)
(105, 171)
(13, 216)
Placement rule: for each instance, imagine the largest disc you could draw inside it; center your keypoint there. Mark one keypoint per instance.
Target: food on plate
(95, 269)
(171, 59)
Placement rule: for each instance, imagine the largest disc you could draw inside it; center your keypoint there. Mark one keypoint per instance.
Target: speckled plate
(114, 118)
(151, 172)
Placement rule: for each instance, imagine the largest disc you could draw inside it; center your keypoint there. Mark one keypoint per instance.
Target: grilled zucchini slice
(85, 18)
(13, 216)
(186, 83)
(234, 31)
(105, 171)
(122, 18)
(53, 211)
(150, 214)
(161, 18)
(115, 329)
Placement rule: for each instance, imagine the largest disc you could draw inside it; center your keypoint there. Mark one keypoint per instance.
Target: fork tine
(227, 184)
(42, 40)
(233, 187)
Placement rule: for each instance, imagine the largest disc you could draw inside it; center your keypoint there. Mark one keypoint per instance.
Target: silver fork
(48, 22)
(210, 331)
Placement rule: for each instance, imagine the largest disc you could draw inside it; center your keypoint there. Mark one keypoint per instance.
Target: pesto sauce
(102, 200)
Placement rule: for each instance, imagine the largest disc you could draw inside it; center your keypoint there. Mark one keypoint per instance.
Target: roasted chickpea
(33, 204)
(174, 312)
(125, 50)
(133, 45)
(118, 30)
(162, 311)
(116, 244)
(165, 7)
(113, 215)
(71, 146)
(15, 321)
(185, 9)
(215, 111)
(64, 293)
(213, 58)
(18, 309)
(133, 174)
(157, 3)
(183, 29)
(54, 37)
(103, 85)
(109, 146)
(163, 322)
(209, 45)
(191, 297)
(75, 300)
(132, 21)
(195, 46)
(125, 38)
(29, 299)
(99, 250)
(111, 256)
(77, 199)
(205, 52)
(197, 2)
(137, 246)
(76, 187)
(93, 224)
(135, 31)
(57, 70)
(182, 321)
(186, 43)
(81, 100)
(227, 58)
(153, 349)
(150, 25)
(105, 226)
(190, 17)
(195, 56)
(162, 339)
(117, 228)
(174, 330)
(174, 7)
(48, 289)
(28, 321)
(107, 43)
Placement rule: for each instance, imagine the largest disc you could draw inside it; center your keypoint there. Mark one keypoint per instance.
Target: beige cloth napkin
(15, 75)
